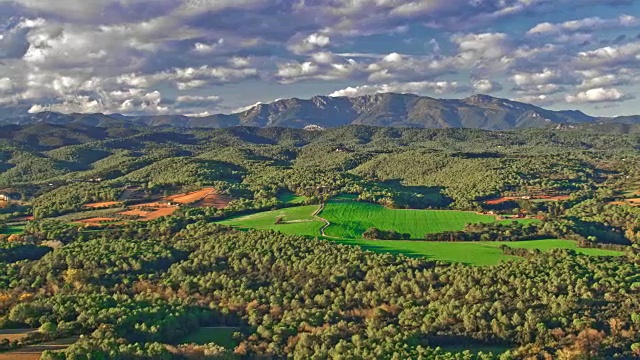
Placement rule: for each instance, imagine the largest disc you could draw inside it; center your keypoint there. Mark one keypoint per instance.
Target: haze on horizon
(204, 57)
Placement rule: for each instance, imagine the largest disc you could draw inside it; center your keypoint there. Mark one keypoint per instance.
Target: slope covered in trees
(136, 289)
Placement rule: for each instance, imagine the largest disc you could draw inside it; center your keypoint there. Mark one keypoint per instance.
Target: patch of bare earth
(218, 201)
(104, 204)
(192, 197)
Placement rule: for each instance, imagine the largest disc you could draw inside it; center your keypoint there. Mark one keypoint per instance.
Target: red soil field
(189, 198)
(500, 200)
(632, 202)
(160, 213)
(135, 212)
(24, 218)
(217, 201)
(104, 204)
(157, 210)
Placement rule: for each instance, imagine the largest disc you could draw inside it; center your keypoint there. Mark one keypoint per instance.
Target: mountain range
(386, 109)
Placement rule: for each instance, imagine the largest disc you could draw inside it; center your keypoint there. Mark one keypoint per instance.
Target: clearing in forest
(222, 336)
(104, 204)
(351, 219)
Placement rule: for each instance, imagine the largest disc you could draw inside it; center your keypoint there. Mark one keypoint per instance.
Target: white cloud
(203, 48)
(309, 43)
(416, 87)
(6, 84)
(589, 24)
(486, 86)
(545, 77)
(610, 55)
(597, 95)
(536, 99)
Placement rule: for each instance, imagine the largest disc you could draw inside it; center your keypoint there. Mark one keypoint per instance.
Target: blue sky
(202, 57)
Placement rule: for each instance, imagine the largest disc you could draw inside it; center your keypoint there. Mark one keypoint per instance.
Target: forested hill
(388, 110)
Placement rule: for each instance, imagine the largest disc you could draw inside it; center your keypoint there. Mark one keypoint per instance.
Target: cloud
(134, 102)
(417, 87)
(203, 48)
(540, 100)
(5, 84)
(110, 53)
(486, 86)
(588, 24)
(309, 43)
(610, 56)
(542, 78)
(198, 100)
(597, 95)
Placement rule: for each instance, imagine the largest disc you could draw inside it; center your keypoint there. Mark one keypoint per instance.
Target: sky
(200, 57)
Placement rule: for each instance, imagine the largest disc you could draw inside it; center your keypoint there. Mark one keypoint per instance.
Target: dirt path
(316, 214)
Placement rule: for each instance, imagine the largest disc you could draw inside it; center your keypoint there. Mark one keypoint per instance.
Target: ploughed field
(115, 211)
(349, 219)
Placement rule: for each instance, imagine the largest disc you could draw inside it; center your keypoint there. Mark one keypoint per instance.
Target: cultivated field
(191, 197)
(10, 230)
(33, 352)
(218, 201)
(351, 219)
(295, 221)
(470, 253)
(14, 334)
(105, 213)
(100, 205)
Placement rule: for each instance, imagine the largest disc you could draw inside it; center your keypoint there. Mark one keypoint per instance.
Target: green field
(344, 229)
(291, 198)
(470, 253)
(10, 230)
(295, 221)
(222, 336)
(351, 219)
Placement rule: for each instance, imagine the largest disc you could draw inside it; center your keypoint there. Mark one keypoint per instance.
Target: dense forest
(134, 290)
